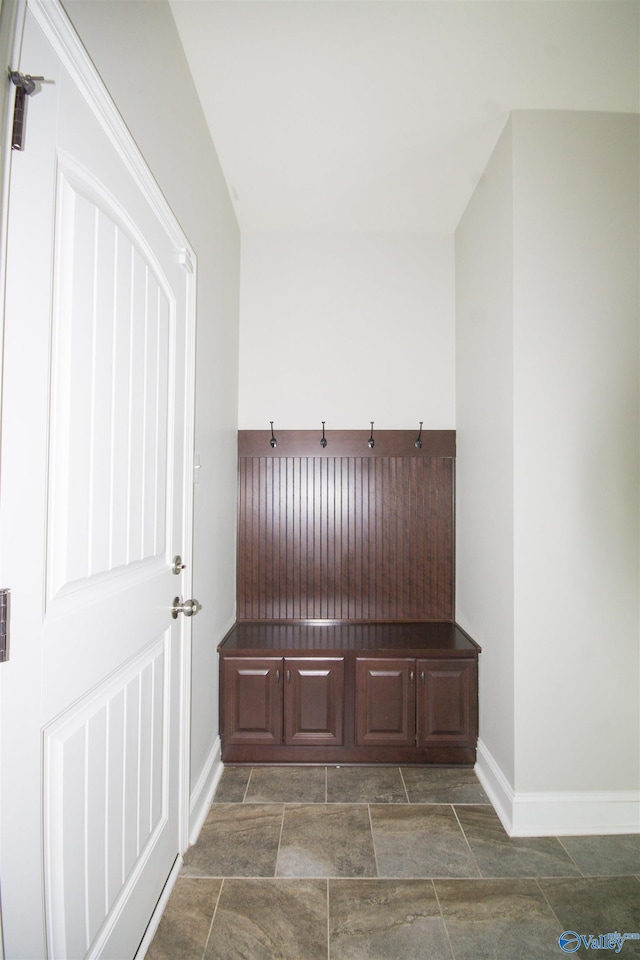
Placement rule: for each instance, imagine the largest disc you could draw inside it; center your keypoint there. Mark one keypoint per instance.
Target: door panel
(106, 789)
(110, 389)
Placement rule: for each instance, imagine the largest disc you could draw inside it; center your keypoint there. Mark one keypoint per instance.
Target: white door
(94, 501)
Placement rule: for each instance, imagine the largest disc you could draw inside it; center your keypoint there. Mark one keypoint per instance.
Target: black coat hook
(273, 442)
(323, 442)
(418, 442)
(371, 441)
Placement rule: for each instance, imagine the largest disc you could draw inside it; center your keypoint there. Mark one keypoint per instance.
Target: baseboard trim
(560, 813)
(202, 793)
(573, 814)
(496, 785)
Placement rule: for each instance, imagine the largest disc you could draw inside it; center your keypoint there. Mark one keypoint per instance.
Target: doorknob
(189, 607)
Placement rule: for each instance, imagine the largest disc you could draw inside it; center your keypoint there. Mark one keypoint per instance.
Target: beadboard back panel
(346, 532)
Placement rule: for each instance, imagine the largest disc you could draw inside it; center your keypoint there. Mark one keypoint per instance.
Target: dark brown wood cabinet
(447, 693)
(349, 693)
(313, 701)
(346, 649)
(429, 703)
(385, 702)
(252, 700)
(276, 700)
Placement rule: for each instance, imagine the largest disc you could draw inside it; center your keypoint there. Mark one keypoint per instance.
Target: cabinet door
(252, 700)
(314, 701)
(447, 703)
(385, 702)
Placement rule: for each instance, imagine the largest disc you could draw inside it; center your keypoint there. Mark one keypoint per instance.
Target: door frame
(60, 32)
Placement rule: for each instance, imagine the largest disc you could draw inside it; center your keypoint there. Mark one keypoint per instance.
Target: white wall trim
(204, 789)
(496, 785)
(558, 814)
(573, 814)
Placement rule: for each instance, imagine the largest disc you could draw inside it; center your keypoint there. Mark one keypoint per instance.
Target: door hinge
(5, 614)
(25, 85)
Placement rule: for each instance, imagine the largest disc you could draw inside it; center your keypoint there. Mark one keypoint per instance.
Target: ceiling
(380, 115)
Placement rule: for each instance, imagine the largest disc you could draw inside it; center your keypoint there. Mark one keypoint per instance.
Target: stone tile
(499, 855)
(232, 785)
(365, 785)
(269, 919)
(287, 785)
(326, 840)
(595, 906)
(498, 920)
(385, 920)
(186, 920)
(420, 841)
(237, 840)
(443, 785)
(617, 855)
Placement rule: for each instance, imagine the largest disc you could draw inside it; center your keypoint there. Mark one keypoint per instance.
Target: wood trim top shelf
(346, 443)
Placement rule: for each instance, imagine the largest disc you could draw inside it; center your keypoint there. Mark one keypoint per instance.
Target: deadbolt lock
(177, 566)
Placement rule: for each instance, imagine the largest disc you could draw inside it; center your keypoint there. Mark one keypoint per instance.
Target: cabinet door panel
(313, 701)
(385, 702)
(447, 702)
(252, 700)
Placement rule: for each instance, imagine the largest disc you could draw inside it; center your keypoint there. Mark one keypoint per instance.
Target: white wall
(572, 345)
(153, 89)
(347, 328)
(484, 466)
(576, 451)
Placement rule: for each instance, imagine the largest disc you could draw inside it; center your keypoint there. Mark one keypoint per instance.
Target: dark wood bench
(345, 692)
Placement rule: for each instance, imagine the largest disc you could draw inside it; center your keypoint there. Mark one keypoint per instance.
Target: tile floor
(382, 863)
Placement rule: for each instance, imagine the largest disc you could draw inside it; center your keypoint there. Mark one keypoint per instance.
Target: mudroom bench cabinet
(346, 648)
(341, 692)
